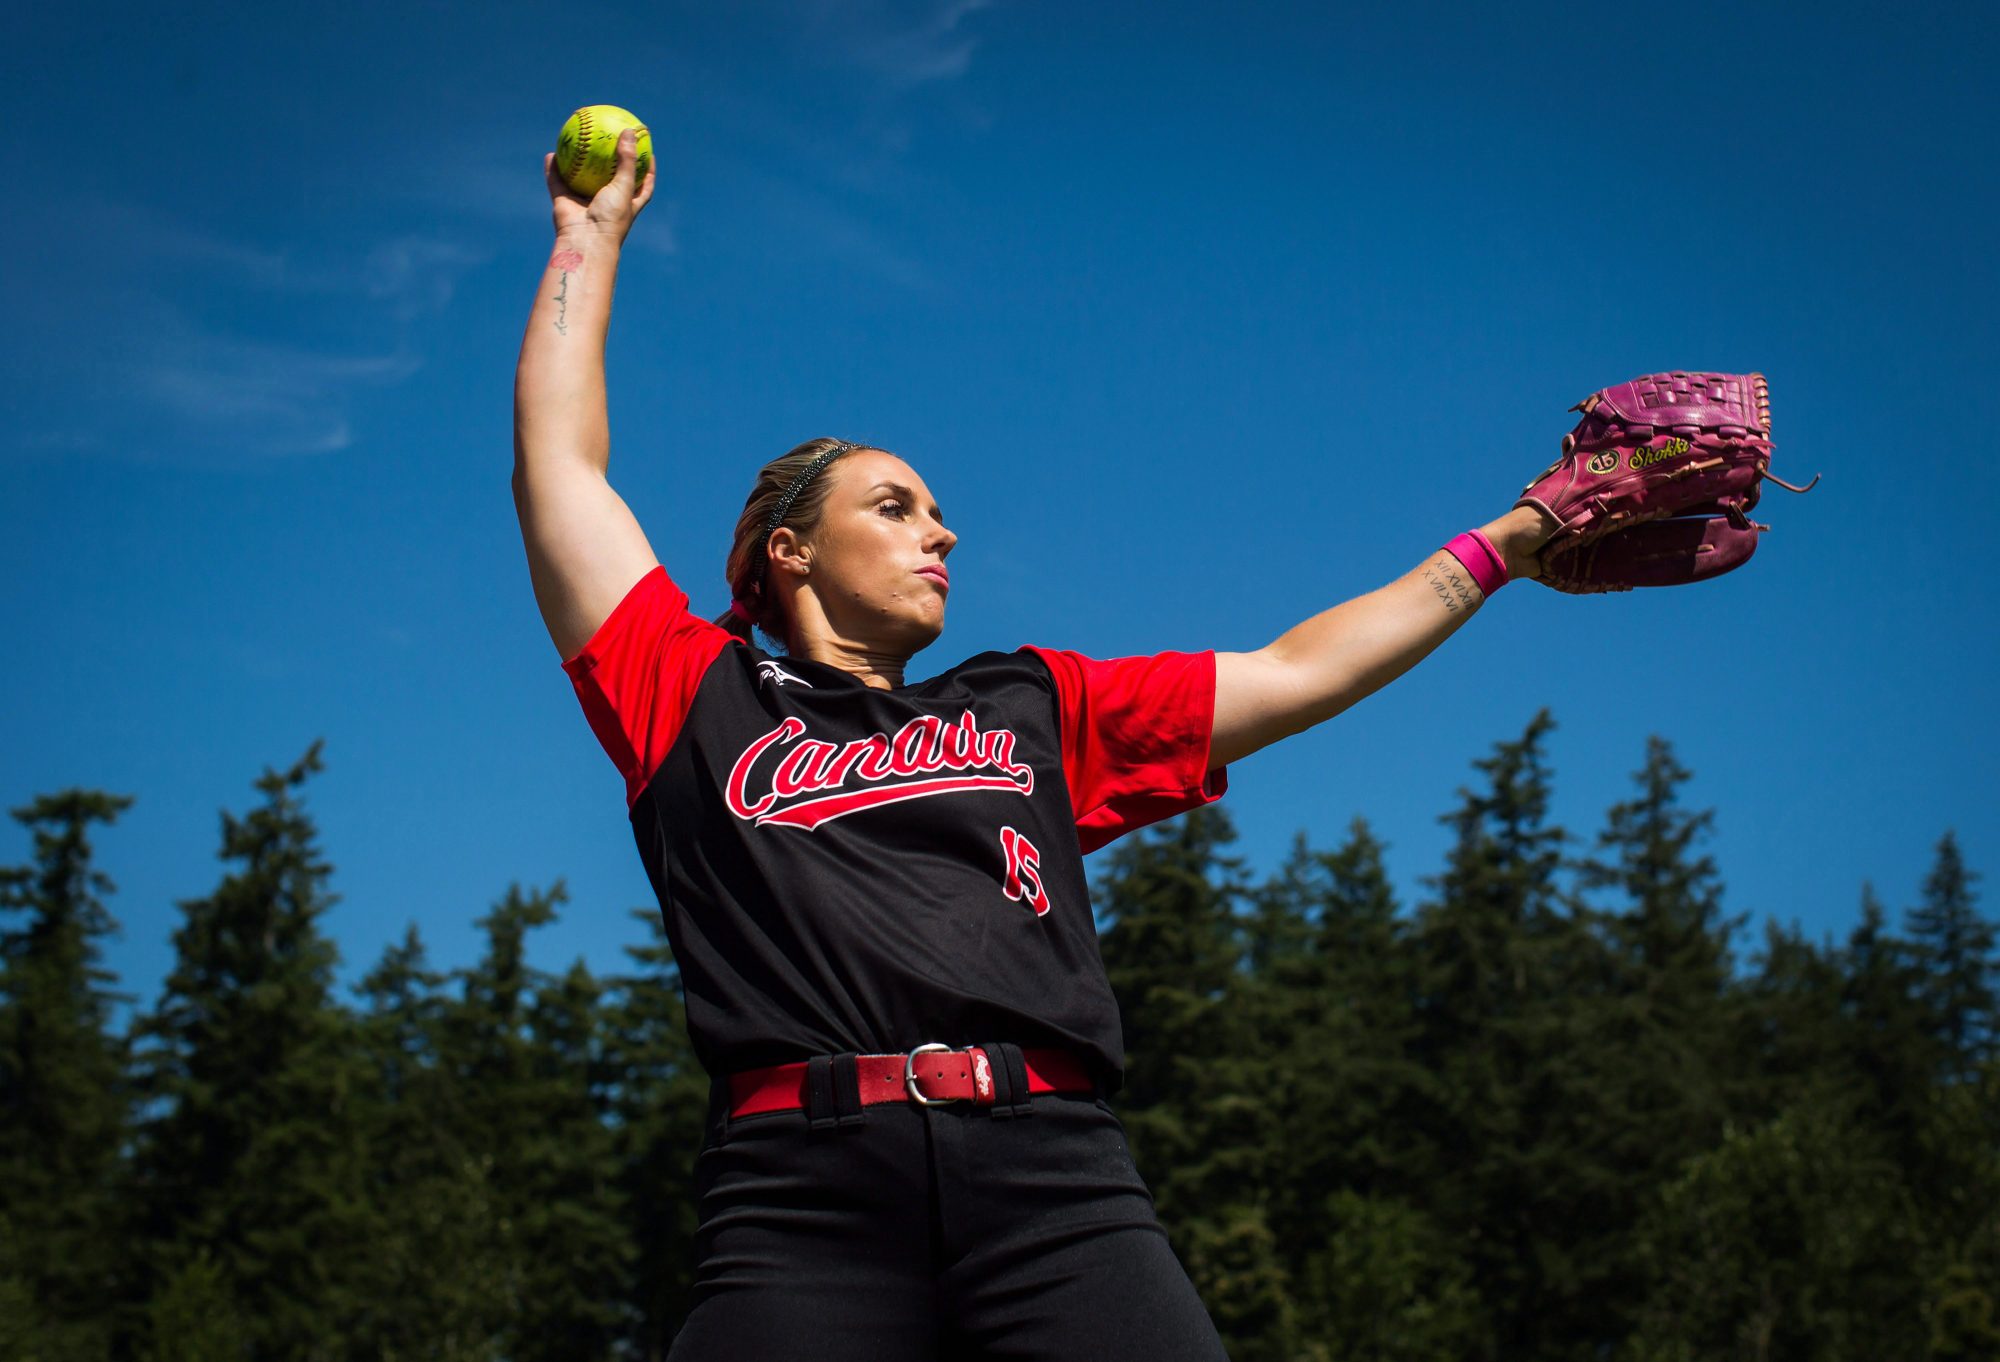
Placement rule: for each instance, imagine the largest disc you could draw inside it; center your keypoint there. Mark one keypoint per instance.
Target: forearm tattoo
(569, 262)
(1447, 579)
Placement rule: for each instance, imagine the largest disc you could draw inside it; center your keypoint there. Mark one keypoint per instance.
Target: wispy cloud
(139, 234)
(813, 227)
(833, 161)
(261, 397)
(161, 375)
(903, 44)
(497, 181)
(415, 272)
(60, 440)
(656, 230)
(415, 275)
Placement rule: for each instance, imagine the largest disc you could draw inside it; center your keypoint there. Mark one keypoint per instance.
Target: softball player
(874, 889)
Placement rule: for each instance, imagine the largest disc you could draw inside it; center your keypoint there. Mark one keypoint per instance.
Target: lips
(937, 574)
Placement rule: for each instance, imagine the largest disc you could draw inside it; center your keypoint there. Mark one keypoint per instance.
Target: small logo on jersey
(816, 782)
(1024, 871)
(777, 676)
(982, 1076)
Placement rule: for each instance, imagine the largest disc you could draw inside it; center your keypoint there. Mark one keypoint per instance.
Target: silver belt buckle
(910, 1076)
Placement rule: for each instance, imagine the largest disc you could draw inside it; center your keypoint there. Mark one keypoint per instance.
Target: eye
(892, 507)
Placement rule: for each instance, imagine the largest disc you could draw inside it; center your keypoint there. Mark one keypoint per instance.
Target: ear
(789, 553)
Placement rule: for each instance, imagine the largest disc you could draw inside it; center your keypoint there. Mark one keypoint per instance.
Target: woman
(874, 890)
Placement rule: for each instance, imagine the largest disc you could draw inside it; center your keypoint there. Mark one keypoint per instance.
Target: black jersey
(842, 867)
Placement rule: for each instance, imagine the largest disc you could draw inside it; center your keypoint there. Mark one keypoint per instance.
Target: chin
(920, 633)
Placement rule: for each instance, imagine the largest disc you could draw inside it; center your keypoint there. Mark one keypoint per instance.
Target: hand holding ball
(587, 148)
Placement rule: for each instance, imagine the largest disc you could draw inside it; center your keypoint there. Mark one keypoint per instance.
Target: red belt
(930, 1074)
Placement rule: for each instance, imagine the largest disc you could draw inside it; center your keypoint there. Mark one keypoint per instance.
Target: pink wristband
(1481, 559)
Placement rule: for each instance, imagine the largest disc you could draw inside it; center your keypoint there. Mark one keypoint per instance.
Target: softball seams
(580, 149)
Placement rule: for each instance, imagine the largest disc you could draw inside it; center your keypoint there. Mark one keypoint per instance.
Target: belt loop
(1017, 1073)
(1003, 1080)
(833, 1091)
(847, 1090)
(1010, 1080)
(820, 1113)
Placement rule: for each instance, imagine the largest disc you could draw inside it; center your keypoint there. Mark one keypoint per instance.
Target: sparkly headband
(784, 505)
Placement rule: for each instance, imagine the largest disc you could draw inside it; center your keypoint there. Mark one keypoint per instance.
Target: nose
(941, 541)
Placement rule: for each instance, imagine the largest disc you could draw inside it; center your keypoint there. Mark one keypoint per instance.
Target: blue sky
(1198, 318)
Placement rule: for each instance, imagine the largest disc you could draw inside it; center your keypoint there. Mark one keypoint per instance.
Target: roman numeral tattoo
(1448, 581)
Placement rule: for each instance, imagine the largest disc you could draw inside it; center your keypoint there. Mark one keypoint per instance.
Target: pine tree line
(1547, 1112)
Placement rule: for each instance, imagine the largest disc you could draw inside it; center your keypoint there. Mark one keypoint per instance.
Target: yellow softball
(587, 148)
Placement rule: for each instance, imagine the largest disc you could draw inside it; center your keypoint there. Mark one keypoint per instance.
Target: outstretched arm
(1342, 655)
(585, 549)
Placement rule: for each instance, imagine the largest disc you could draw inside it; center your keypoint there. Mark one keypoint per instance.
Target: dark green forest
(1562, 1107)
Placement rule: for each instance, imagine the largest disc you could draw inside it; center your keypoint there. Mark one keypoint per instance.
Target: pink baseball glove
(1655, 485)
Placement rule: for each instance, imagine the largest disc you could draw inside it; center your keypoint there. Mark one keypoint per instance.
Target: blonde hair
(747, 565)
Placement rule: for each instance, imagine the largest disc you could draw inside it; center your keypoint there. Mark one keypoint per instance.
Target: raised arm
(585, 548)
(1342, 655)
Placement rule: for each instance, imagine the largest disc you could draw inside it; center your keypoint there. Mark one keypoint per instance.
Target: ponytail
(737, 623)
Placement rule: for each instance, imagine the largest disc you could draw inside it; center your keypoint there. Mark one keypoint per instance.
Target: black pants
(902, 1233)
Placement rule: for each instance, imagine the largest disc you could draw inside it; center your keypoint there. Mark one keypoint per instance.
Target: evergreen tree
(1281, 985)
(1200, 1129)
(1792, 1241)
(195, 1314)
(577, 1218)
(1170, 950)
(427, 1288)
(1788, 1028)
(1498, 902)
(1387, 1286)
(1279, 996)
(1652, 1049)
(63, 1097)
(1336, 1026)
(1370, 1032)
(1954, 945)
(524, 1046)
(1887, 1047)
(24, 1326)
(1954, 1166)
(1373, 1278)
(1499, 960)
(1670, 940)
(251, 1154)
(658, 1114)
(1512, 1125)
(1233, 1260)
(1165, 905)
(1956, 1175)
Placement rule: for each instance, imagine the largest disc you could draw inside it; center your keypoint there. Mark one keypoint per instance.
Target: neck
(815, 638)
(874, 667)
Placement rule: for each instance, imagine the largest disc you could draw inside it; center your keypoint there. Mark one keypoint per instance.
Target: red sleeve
(637, 675)
(1135, 738)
